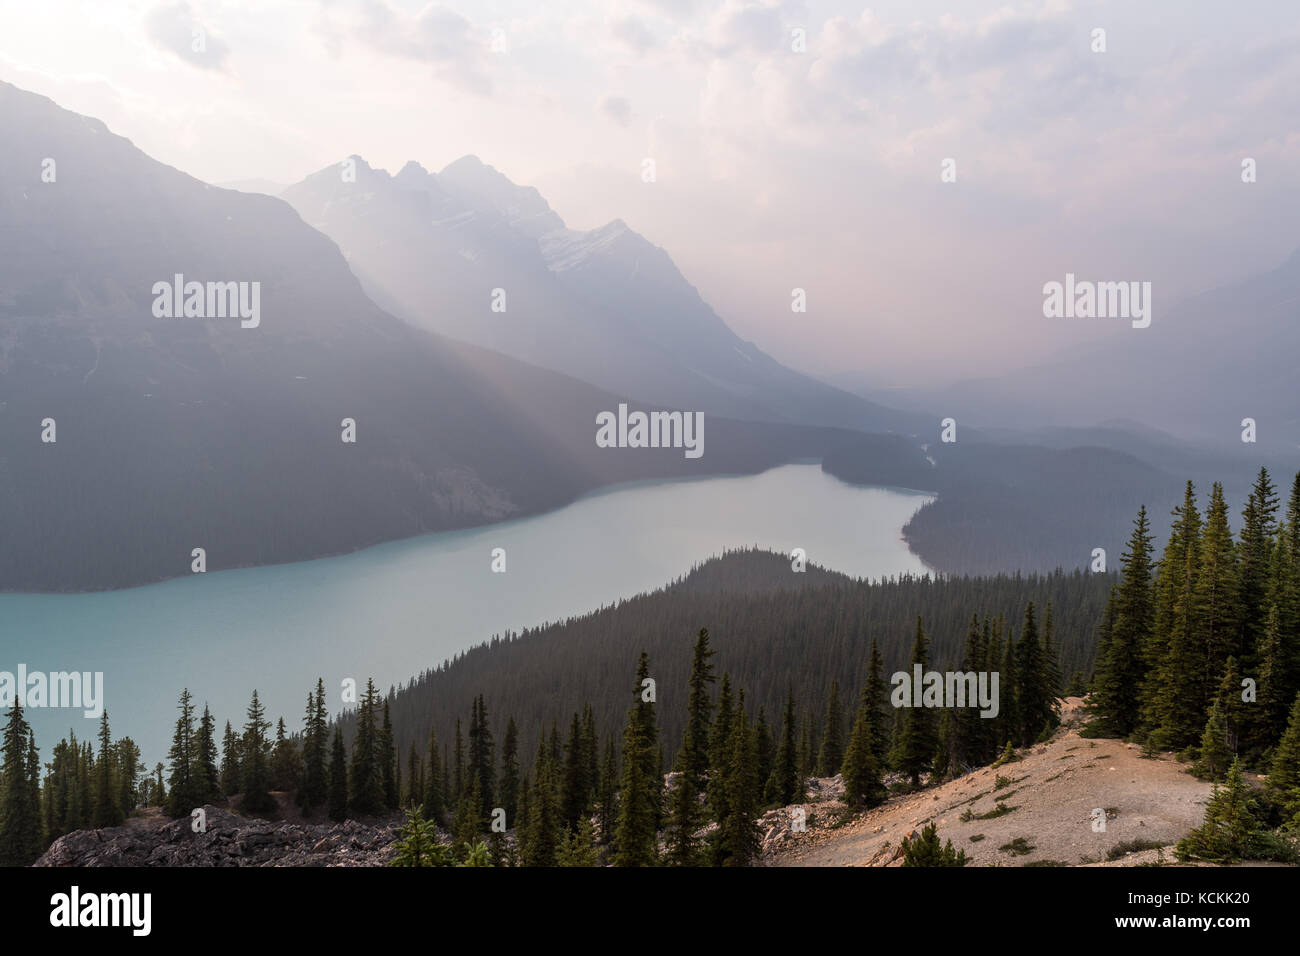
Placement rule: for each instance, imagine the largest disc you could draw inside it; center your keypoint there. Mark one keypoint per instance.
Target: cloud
(437, 36)
(173, 28)
(616, 108)
(632, 33)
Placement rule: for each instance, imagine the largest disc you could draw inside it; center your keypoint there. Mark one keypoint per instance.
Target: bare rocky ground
(1049, 795)
(152, 839)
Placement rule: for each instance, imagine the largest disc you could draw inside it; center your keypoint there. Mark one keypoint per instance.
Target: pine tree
(482, 759)
(831, 754)
(1037, 707)
(314, 791)
(580, 846)
(917, 734)
(693, 760)
(926, 851)
(1216, 756)
(510, 771)
(877, 696)
(718, 788)
(545, 828)
(337, 800)
(365, 780)
(434, 785)
(183, 785)
(784, 782)
(21, 836)
(107, 812)
(635, 839)
(1122, 670)
(1283, 783)
(576, 786)
(607, 803)
(414, 791)
(1228, 831)
(386, 752)
(861, 770)
(739, 836)
(1171, 656)
(1255, 554)
(207, 774)
(229, 762)
(128, 762)
(255, 767)
(286, 762)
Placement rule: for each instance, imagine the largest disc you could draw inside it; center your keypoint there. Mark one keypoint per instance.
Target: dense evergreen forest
(632, 737)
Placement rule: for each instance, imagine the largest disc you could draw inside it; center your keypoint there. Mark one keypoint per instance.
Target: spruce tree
(184, 793)
(784, 782)
(1283, 783)
(21, 837)
(314, 791)
(635, 839)
(229, 762)
(337, 800)
(386, 752)
(917, 733)
(831, 754)
(738, 830)
(861, 770)
(207, 773)
(510, 771)
(286, 761)
(434, 785)
(107, 811)
(255, 767)
(1122, 669)
(365, 780)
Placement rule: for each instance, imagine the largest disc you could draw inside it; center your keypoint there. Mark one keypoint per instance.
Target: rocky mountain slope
(1050, 800)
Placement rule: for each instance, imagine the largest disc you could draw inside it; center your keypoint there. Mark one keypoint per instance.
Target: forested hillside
(772, 629)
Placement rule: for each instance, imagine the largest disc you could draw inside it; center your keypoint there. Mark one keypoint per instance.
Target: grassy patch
(1046, 863)
(977, 837)
(1120, 850)
(1018, 847)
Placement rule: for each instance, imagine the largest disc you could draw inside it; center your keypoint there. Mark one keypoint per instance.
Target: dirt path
(1050, 794)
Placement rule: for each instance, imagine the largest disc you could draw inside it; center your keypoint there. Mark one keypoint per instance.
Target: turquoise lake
(395, 609)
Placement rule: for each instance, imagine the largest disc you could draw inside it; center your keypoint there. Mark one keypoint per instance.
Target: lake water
(393, 610)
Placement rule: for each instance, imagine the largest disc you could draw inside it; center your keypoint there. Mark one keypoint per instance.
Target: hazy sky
(775, 168)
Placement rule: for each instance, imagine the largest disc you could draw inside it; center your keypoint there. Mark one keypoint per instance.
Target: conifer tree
(926, 851)
(183, 786)
(207, 774)
(546, 833)
(766, 747)
(314, 791)
(1283, 783)
(917, 738)
(107, 812)
(580, 846)
(576, 787)
(510, 771)
(365, 781)
(831, 754)
(1037, 707)
(784, 782)
(1171, 655)
(414, 791)
(387, 756)
(337, 800)
(635, 839)
(738, 830)
(1215, 756)
(607, 803)
(877, 696)
(21, 837)
(1122, 669)
(861, 770)
(229, 762)
(434, 785)
(128, 762)
(255, 767)
(482, 757)
(286, 762)
(1228, 833)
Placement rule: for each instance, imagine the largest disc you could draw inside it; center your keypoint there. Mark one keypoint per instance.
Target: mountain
(1202, 365)
(604, 305)
(129, 439)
